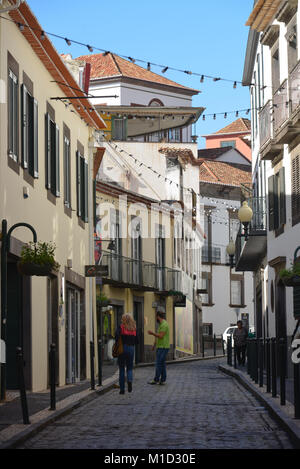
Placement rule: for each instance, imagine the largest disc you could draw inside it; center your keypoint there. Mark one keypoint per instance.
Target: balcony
(250, 253)
(268, 146)
(126, 272)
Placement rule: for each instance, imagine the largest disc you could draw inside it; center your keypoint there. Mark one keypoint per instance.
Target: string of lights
(149, 64)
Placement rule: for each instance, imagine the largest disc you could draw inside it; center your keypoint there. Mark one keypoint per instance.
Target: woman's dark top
(128, 337)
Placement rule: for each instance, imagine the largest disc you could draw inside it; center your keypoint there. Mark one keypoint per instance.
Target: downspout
(13, 7)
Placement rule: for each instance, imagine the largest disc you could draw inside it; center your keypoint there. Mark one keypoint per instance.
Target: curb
(281, 415)
(34, 428)
(180, 360)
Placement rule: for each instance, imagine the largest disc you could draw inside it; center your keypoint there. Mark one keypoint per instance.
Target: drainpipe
(13, 7)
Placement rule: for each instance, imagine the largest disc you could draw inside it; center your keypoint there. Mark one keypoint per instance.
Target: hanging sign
(96, 270)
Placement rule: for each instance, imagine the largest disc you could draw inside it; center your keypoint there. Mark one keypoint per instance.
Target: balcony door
(160, 259)
(116, 257)
(136, 251)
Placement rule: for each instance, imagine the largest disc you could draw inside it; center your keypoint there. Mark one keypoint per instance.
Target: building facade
(224, 184)
(272, 72)
(46, 182)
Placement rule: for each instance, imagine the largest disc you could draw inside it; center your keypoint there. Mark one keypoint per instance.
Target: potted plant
(102, 300)
(291, 277)
(38, 259)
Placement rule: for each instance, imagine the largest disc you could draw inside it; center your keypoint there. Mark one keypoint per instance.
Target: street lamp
(230, 249)
(245, 215)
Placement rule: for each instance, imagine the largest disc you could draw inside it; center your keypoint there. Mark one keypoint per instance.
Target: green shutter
(271, 202)
(57, 169)
(48, 151)
(24, 126)
(78, 183)
(86, 191)
(35, 140)
(282, 199)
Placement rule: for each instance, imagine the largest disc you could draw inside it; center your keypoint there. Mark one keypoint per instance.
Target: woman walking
(127, 330)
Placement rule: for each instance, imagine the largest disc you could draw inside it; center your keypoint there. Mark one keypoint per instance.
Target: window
(174, 135)
(67, 173)
(52, 156)
(292, 43)
(207, 329)
(82, 187)
(206, 285)
(236, 290)
(275, 70)
(119, 128)
(29, 132)
(276, 198)
(13, 106)
(295, 190)
(227, 143)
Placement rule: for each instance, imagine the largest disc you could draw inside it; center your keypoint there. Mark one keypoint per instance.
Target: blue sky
(206, 37)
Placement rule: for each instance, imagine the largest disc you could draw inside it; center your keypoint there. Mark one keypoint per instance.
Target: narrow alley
(198, 408)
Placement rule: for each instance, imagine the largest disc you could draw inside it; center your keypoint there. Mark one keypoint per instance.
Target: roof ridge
(115, 62)
(210, 171)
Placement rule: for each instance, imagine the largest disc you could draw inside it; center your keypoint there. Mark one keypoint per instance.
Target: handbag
(117, 347)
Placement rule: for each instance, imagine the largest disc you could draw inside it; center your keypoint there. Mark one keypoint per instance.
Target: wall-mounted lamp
(245, 215)
(230, 249)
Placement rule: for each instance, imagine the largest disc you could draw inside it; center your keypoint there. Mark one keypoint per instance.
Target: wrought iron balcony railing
(211, 254)
(265, 127)
(127, 272)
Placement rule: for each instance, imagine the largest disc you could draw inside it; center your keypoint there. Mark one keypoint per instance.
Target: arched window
(155, 103)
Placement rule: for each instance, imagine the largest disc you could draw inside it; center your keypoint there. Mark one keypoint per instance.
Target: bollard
(215, 346)
(202, 346)
(297, 390)
(99, 362)
(282, 370)
(252, 359)
(223, 346)
(20, 367)
(268, 365)
(234, 356)
(247, 353)
(52, 370)
(230, 350)
(261, 362)
(273, 359)
(92, 355)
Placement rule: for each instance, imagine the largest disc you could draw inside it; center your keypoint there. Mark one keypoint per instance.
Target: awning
(143, 120)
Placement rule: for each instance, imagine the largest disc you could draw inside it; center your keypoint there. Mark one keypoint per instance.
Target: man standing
(162, 348)
(240, 342)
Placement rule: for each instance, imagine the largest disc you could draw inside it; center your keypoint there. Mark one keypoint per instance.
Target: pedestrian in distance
(162, 343)
(240, 342)
(128, 333)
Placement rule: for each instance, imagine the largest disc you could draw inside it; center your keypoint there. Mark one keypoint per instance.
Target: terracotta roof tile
(240, 125)
(111, 65)
(224, 173)
(212, 153)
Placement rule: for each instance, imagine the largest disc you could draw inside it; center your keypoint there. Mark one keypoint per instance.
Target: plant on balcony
(291, 277)
(102, 301)
(38, 259)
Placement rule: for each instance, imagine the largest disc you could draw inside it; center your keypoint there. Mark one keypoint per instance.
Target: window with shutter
(29, 132)
(13, 106)
(282, 198)
(296, 190)
(271, 202)
(78, 183)
(52, 156)
(67, 173)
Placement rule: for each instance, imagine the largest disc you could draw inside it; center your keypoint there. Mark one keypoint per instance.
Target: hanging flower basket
(38, 259)
(34, 269)
(291, 277)
(293, 281)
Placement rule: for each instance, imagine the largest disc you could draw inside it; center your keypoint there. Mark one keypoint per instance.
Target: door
(160, 262)
(52, 308)
(136, 249)
(14, 324)
(73, 336)
(138, 315)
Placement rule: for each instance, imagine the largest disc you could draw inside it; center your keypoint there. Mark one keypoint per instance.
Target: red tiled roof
(53, 62)
(240, 125)
(224, 173)
(212, 153)
(111, 65)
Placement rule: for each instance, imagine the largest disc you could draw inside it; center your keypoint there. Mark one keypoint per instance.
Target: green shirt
(165, 341)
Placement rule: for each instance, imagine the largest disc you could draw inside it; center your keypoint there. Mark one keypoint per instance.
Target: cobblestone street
(199, 408)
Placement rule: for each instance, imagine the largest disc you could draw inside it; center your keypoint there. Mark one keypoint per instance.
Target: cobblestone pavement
(198, 408)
